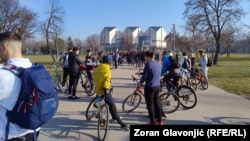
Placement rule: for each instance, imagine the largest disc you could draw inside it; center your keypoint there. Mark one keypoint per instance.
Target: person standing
(10, 53)
(75, 64)
(203, 63)
(63, 61)
(102, 79)
(151, 76)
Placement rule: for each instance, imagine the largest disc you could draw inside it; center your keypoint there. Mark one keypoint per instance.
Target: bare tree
(79, 43)
(17, 19)
(195, 32)
(128, 42)
(52, 26)
(93, 43)
(214, 15)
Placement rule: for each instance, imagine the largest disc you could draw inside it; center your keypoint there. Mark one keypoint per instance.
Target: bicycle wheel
(131, 102)
(83, 79)
(192, 82)
(204, 82)
(170, 102)
(89, 90)
(187, 96)
(58, 80)
(92, 108)
(103, 122)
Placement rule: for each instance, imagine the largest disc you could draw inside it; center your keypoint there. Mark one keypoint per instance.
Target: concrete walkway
(215, 106)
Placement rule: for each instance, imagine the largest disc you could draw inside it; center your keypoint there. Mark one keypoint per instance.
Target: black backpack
(186, 64)
(209, 62)
(174, 62)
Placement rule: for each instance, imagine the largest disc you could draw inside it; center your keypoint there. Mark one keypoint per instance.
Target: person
(63, 61)
(184, 71)
(174, 72)
(192, 61)
(203, 62)
(90, 66)
(75, 64)
(151, 76)
(116, 58)
(102, 79)
(165, 62)
(10, 54)
(99, 57)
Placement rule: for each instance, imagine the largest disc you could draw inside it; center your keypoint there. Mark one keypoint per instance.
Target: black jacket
(74, 64)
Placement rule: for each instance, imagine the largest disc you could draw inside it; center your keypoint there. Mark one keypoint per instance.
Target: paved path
(215, 106)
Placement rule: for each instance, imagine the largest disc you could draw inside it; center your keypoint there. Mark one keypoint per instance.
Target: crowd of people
(99, 73)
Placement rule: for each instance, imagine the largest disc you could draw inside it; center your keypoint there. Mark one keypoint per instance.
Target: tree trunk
(217, 52)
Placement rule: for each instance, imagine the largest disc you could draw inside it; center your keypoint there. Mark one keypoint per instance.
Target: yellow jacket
(102, 78)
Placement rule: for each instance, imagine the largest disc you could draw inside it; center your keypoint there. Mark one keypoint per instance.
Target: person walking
(151, 76)
(102, 79)
(63, 61)
(75, 64)
(10, 54)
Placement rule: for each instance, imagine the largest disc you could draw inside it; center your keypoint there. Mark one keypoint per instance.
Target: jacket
(102, 78)
(166, 63)
(74, 64)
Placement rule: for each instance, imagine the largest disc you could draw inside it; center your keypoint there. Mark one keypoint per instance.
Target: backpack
(186, 64)
(174, 62)
(65, 59)
(37, 102)
(209, 62)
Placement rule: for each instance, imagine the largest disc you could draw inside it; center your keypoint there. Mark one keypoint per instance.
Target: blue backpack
(38, 98)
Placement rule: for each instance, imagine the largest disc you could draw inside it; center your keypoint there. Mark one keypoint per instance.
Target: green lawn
(231, 74)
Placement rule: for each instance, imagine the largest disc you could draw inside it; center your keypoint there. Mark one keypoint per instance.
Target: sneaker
(125, 128)
(158, 123)
(69, 97)
(112, 121)
(75, 97)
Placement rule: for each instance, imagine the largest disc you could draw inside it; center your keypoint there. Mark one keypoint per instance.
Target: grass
(231, 74)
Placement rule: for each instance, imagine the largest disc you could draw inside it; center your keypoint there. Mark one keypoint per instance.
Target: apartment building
(133, 38)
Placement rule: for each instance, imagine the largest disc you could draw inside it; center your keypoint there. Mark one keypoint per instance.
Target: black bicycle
(187, 96)
(85, 82)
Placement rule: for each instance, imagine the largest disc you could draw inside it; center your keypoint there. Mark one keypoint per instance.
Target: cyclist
(102, 80)
(203, 62)
(173, 74)
(90, 66)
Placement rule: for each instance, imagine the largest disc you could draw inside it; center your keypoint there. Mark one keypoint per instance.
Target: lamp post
(174, 36)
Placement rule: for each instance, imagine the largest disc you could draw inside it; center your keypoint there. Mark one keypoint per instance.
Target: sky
(86, 17)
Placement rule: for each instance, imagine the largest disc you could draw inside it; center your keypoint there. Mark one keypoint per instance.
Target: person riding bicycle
(173, 74)
(90, 63)
(102, 80)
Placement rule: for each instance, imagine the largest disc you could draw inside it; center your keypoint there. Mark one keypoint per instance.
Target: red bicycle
(170, 101)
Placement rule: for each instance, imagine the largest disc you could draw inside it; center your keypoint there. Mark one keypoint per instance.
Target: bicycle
(58, 80)
(98, 109)
(169, 101)
(197, 78)
(85, 82)
(184, 92)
